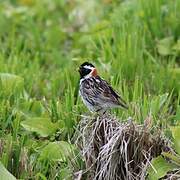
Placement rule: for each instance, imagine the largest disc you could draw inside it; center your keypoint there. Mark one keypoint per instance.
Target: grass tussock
(115, 150)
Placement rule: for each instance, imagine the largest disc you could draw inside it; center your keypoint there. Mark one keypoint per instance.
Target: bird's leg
(97, 113)
(101, 112)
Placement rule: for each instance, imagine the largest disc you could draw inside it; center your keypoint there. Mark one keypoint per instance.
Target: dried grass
(114, 150)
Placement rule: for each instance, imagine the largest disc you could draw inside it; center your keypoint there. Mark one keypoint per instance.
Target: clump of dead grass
(114, 150)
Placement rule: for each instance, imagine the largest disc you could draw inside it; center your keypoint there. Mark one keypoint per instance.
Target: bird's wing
(99, 91)
(112, 95)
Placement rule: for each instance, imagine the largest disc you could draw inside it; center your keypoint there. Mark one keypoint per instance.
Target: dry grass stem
(114, 150)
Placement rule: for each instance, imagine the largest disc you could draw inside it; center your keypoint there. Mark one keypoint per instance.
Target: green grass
(135, 46)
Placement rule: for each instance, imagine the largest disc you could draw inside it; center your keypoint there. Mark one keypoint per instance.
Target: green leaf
(5, 174)
(66, 174)
(175, 72)
(11, 84)
(42, 126)
(57, 151)
(31, 108)
(177, 116)
(176, 47)
(158, 102)
(164, 46)
(176, 136)
(173, 157)
(41, 176)
(159, 168)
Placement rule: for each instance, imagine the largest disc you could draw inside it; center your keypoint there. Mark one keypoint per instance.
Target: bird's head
(87, 70)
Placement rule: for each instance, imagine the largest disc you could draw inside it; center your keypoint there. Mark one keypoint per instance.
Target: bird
(96, 93)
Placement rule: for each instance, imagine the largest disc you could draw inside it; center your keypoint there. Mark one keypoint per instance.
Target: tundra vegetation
(135, 45)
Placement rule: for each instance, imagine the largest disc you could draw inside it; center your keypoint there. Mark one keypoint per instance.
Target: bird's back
(97, 94)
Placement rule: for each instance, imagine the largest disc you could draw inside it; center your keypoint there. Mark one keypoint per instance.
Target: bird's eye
(86, 71)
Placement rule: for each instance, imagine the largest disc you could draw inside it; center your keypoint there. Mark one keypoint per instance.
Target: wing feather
(99, 93)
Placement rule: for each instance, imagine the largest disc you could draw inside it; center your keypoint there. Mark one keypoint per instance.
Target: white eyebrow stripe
(88, 67)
